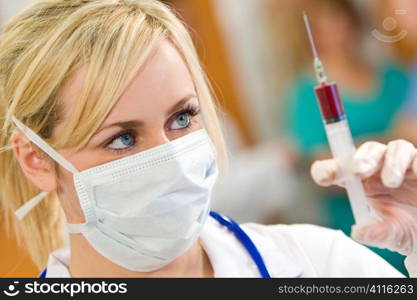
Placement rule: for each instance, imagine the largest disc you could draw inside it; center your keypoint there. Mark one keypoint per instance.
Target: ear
(36, 166)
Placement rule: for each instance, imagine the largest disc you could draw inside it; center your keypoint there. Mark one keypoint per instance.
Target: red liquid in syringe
(330, 104)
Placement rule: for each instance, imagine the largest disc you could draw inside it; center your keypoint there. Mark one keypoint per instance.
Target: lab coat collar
(229, 258)
(58, 263)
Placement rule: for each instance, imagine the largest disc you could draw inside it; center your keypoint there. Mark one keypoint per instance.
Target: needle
(318, 66)
(310, 35)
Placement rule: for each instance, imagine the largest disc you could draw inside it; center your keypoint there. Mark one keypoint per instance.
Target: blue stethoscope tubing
(240, 235)
(245, 240)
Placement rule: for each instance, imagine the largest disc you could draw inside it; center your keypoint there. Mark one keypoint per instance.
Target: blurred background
(258, 59)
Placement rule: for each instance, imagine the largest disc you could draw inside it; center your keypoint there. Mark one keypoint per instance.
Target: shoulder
(394, 74)
(393, 67)
(321, 251)
(395, 81)
(297, 234)
(301, 84)
(298, 88)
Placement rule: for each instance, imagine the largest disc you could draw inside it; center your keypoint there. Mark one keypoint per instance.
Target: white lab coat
(288, 251)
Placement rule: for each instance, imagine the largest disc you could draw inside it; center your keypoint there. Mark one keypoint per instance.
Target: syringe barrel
(342, 147)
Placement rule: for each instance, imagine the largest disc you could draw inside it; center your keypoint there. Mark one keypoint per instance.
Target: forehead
(161, 81)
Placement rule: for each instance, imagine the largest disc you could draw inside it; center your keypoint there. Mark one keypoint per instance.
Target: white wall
(253, 61)
(9, 8)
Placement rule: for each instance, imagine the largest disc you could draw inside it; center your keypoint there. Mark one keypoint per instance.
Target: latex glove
(389, 174)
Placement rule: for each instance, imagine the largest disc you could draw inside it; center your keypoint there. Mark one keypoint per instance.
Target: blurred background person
(372, 92)
(400, 20)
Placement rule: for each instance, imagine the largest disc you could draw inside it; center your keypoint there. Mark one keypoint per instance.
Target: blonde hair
(39, 50)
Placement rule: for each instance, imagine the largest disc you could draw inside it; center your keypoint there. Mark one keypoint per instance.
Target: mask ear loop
(22, 211)
(38, 141)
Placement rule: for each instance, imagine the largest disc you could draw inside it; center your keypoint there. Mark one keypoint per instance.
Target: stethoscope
(241, 235)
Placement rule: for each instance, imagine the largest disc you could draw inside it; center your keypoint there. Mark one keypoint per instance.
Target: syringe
(339, 136)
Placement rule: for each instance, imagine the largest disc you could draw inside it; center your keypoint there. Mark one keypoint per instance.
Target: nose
(155, 139)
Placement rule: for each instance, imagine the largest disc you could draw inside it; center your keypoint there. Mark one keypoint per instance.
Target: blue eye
(181, 121)
(123, 141)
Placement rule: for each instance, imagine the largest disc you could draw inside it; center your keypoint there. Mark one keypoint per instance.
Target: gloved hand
(389, 174)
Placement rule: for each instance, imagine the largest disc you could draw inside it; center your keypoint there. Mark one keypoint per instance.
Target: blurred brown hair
(405, 50)
(286, 24)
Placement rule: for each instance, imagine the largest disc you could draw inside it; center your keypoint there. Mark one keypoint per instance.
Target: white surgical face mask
(145, 210)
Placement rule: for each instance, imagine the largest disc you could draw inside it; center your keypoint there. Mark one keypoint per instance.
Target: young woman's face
(159, 106)
(333, 29)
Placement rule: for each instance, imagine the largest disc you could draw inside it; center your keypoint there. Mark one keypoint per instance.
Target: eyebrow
(181, 103)
(135, 123)
(124, 125)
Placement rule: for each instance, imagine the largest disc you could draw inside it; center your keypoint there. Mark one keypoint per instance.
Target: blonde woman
(109, 127)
